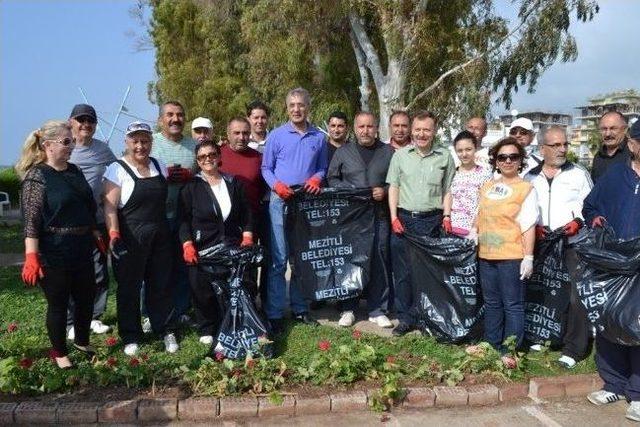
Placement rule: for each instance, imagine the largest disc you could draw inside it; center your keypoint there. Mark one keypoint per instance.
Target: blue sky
(50, 48)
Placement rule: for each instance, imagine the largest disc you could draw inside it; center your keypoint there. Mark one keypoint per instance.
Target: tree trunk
(391, 95)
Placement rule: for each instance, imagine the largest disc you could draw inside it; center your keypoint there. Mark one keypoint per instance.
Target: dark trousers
(58, 285)
(102, 282)
(402, 288)
(179, 274)
(377, 289)
(149, 260)
(503, 294)
(577, 336)
(205, 302)
(619, 367)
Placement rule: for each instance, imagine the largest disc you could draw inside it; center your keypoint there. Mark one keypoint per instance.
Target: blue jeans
(276, 282)
(402, 289)
(503, 294)
(377, 290)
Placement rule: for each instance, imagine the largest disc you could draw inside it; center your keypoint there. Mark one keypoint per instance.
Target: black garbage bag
(609, 284)
(447, 301)
(242, 331)
(548, 292)
(330, 238)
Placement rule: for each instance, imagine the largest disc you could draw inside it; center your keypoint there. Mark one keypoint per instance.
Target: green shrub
(10, 183)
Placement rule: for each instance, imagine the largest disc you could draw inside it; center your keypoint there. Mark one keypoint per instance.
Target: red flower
(144, 357)
(391, 359)
(111, 341)
(112, 362)
(251, 363)
(134, 362)
(236, 373)
(219, 356)
(13, 326)
(356, 334)
(324, 345)
(26, 363)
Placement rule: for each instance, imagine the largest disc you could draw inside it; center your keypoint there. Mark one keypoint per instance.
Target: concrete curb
(225, 408)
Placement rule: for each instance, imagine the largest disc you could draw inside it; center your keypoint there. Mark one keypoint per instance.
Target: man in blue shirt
(295, 154)
(616, 200)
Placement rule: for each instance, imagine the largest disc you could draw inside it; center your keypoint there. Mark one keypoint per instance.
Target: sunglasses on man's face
(518, 131)
(86, 119)
(511, 157)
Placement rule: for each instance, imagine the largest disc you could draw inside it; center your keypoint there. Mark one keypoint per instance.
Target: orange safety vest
(499, 234)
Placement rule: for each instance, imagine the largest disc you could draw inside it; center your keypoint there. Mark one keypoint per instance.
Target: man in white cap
(522, 130)
(202, 130)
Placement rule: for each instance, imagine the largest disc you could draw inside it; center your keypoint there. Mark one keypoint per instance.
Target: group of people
(171, 196)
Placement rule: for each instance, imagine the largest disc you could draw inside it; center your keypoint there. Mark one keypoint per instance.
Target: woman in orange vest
(506, 222)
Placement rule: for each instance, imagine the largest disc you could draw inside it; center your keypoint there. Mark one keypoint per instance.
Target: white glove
(473, 235)
(526, 267)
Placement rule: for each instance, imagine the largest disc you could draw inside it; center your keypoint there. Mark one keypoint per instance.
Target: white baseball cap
(201, 122)
(523, 123)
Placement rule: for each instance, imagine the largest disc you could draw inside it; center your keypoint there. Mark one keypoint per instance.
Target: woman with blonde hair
(58, 212)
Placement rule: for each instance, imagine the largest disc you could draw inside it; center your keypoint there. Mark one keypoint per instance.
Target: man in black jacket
(361, 165)
(613, 129)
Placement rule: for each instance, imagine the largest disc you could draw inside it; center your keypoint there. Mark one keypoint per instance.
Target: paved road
(525, 413)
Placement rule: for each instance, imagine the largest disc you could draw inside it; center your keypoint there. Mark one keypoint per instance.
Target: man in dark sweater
(360, 165)
(613, 129)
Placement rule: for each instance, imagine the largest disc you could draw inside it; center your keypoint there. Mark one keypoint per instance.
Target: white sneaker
(146, 325)
(602, 397)
(633, 411)
(170, 343)
(346, 319)
(535, 347)
(206, 339)
(131, 349)
(567, 362)
(71, 334)
(99, 328)
(382, 321)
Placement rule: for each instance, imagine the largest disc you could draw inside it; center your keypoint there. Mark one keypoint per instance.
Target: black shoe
(277, 326)
(401, 329)
(88, 350)
(305, 319)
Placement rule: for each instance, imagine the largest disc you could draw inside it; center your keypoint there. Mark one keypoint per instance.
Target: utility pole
(86, 101)
(115, 122)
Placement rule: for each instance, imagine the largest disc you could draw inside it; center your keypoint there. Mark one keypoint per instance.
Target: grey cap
(138, 127)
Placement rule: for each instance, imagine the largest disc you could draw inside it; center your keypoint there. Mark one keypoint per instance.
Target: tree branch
(464, 65)
(365, 91)
(367, 48)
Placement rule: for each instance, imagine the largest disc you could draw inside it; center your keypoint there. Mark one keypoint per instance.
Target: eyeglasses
(558, 145)
(65, 141)
(511, 157)
(519, 131)
(86, 119)
(208, 156)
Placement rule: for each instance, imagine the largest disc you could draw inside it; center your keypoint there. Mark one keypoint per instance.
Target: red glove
(312, 185)
(101, 245)
(246, 241)
(283, 190)
(541, 232)
(572, 227)
(598, 222)
(446, 224)
(396, 226)
(189, 253)
(32, 269)
(179, 174)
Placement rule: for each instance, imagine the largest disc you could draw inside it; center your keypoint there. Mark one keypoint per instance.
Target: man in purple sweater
(295, 154)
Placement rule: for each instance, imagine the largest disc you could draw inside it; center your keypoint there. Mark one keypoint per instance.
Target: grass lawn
(11, 239)
(350, 360)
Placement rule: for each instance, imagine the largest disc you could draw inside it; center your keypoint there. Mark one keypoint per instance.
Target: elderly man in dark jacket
(364, 165)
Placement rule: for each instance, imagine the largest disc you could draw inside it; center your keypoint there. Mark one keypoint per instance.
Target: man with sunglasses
(613, 130)
(92, 156)
(562, 187)
(522, 130)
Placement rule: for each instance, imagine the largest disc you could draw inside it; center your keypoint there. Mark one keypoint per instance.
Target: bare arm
(111, 201)
(529, 240)
(394, 193)
(446, 203)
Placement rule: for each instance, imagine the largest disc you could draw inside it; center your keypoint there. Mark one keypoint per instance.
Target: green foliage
(10, 184)
(11, 239)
